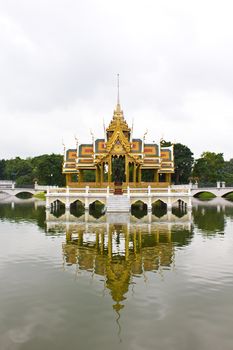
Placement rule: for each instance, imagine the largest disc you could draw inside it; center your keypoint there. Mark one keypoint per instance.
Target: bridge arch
(56, 200)
(228, 195)
(24, 194)
(180, 202)
(77, 208)
(97, 208)
(179, 207)
(159, 202)
(139, 208)
(77, 200)
(209, 194)
(58, 208)
(159, 208)
(139, 203)
(96, 202)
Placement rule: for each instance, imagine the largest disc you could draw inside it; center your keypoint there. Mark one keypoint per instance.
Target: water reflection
(149, 271)
(120, 251)
(210, 217)
(23, 210)
(159, 210)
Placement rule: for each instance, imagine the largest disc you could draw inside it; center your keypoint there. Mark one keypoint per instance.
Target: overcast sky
(59, 60)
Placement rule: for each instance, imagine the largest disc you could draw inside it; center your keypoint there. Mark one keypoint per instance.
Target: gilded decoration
(139, 163)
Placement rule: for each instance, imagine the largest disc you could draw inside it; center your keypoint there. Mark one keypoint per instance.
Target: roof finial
(118, 88)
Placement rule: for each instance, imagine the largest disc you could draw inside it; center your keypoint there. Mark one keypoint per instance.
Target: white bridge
(8, 187)
(117, 203)
(217, 191)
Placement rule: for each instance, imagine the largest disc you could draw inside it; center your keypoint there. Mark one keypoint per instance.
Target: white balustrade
(147, 195)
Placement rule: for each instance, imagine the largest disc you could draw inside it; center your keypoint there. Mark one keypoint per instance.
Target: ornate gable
(118, 143)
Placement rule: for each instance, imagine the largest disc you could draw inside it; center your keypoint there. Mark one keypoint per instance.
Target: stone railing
(147, 191)
(7, 184)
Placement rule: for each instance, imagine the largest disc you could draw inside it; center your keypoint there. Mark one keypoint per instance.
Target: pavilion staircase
(118, 188)
(118, 204)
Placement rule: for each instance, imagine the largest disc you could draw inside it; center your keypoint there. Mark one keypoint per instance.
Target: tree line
(206, 170)
(46, 169)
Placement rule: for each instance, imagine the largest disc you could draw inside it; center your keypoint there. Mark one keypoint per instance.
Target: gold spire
(118, 107)
(118, 89)
(118, 122)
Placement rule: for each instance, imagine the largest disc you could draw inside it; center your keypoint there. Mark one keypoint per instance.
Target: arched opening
(131, 172)
(139, 209)
(204, 196)
(229, 196)
(159, 208)
(89, 175)
(118, 169)
(96, 209)
(162, 178)
(77, 209)
(147, 175)
(179, 208)
(57, 208)
(24, 195)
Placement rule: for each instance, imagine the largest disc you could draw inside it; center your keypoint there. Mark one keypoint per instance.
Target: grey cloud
(59, 61)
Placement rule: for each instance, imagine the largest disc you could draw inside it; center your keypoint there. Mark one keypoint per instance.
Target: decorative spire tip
(118, 88)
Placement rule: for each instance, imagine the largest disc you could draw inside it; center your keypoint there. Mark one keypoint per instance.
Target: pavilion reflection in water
(119, 248)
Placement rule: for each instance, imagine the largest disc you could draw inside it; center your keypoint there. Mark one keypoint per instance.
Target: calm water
(116, 282)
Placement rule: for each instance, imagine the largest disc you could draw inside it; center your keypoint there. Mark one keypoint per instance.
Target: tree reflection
(29, 211)
(209, 219)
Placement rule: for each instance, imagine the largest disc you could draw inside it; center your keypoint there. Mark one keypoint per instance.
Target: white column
(128, 192)
(47, 214)
(149, 220)
(149, 207)
(86, 203)
(190, 202)
(189, 214)
(67, 214)
(47, 205)
(169, 213)
(149, 190)
(86, 198)
(169, 203)
(67, 205)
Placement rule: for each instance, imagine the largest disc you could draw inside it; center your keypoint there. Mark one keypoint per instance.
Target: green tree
(183, 159)
(228, 172)
(2, 169)
(19, 170)
(209, 168)
(47, 169)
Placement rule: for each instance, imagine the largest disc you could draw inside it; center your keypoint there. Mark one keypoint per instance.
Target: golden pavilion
(119, 158)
